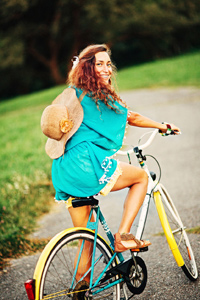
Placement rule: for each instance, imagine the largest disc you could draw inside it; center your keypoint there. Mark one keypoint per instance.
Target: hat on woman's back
(60, 121)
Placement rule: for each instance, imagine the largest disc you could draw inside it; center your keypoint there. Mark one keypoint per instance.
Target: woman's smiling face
(103, 66)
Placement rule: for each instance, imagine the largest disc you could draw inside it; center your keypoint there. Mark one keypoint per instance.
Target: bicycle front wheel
(62, 280)
(176, 235)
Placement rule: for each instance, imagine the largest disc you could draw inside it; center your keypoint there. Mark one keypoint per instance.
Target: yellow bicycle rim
(167, 229)
(45, 253)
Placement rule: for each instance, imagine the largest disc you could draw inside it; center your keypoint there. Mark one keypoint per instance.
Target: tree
(38, 38)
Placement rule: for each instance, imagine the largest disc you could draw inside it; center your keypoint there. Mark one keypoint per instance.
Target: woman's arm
(135, 119)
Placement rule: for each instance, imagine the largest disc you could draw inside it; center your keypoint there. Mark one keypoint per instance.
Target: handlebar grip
(173, 132)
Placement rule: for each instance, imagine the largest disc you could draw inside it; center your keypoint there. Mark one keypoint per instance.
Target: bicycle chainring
(80, 290)
(137, 276)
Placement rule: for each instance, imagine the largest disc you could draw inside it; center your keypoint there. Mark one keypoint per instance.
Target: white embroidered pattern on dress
(108, 187)
(106, 165)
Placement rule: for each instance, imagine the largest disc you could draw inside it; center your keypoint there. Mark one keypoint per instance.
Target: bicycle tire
(57, 275)
(174, 228)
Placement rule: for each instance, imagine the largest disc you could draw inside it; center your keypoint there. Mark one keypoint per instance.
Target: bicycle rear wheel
(58, 280)
(176, 235)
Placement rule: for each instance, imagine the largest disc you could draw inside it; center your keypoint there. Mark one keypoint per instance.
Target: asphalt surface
(179, 160)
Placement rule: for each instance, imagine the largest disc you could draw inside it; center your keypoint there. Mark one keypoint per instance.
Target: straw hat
(60, 121)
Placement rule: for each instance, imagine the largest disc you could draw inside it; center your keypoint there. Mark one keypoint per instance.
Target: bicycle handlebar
(145, 145)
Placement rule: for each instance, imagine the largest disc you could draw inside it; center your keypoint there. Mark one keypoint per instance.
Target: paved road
(179, 159)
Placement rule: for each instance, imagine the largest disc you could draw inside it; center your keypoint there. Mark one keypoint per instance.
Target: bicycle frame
(141, 222)
(154, 191)
(94, 226)
(152, 185)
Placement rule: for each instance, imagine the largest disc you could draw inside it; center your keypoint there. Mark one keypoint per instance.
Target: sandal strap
(127, 236)
(130, 236)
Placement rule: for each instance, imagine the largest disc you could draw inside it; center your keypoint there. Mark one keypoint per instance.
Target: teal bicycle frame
(94, 226)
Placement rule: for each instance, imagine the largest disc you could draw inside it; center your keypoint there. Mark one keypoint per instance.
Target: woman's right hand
(171, 126)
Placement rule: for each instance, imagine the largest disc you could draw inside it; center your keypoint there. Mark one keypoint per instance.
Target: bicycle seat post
(93, 225)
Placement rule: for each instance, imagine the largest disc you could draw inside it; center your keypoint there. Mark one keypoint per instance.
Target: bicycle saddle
(82, 201)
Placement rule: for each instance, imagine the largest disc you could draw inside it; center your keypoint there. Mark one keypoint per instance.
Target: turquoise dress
(86, 166)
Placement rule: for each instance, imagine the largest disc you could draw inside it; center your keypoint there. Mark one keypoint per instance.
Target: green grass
(26, 191)
(194, 230)
(178, 71)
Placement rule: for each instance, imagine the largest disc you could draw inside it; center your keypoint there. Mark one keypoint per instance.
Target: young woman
(87, 167)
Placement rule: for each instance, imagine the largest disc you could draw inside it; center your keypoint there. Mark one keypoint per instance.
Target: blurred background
(154, 44)
(38, 38)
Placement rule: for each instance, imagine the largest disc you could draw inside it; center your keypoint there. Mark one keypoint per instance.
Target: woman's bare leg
(80, 217)
(137, 181)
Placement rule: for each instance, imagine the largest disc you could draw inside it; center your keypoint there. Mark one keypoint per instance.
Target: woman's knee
(131, 175)
(144, 176)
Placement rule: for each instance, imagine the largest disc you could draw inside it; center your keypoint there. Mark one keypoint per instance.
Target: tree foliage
(38, 38)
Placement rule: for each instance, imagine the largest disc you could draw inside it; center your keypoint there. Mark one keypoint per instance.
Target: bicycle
(55, 275)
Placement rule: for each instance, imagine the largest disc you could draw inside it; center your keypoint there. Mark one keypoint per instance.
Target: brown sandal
(119, 247)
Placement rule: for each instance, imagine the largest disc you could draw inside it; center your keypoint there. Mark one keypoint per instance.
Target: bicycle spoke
(59, 275)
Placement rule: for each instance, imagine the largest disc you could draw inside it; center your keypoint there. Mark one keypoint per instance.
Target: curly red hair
(84, 76)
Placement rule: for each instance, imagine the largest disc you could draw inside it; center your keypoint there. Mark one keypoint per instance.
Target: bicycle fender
(46, 252)
(167, 230)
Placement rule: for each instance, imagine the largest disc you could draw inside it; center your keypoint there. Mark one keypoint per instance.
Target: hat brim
(68, 98)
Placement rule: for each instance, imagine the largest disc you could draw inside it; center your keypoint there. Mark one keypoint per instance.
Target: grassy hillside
(25, 182)
(178, 71)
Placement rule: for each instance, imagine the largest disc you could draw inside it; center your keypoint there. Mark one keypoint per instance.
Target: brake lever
(173, 132)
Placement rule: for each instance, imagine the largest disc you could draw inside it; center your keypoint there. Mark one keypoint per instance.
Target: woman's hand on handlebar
(168, 128)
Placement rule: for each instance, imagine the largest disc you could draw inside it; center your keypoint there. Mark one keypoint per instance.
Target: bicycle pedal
(140, 249)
